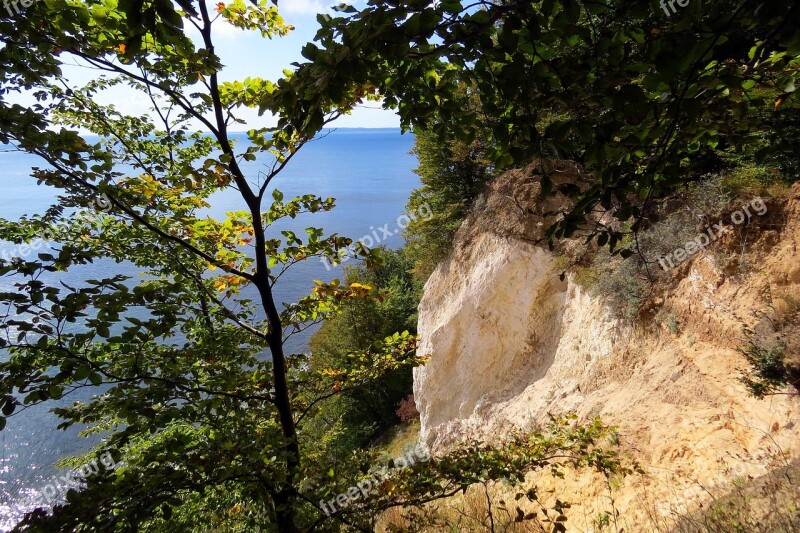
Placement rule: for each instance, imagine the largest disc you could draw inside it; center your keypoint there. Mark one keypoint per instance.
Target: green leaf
(82, 373)
(8, 407)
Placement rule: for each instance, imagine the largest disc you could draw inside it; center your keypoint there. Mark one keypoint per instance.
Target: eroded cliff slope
(510, 342)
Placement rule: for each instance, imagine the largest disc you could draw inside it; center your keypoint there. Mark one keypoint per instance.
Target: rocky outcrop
(497, 325)
(510, 342)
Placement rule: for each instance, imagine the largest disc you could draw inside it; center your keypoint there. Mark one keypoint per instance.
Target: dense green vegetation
(452, 173)
(354, 419)
(209, 433)
(644, 102)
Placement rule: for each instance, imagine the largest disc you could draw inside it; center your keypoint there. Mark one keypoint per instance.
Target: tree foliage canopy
(648, 99)
(453, 173)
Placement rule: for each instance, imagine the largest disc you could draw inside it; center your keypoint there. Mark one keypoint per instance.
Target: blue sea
(368, 171)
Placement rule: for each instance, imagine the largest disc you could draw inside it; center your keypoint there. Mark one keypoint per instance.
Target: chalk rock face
(496, 319)
(497, 326)
(507, 302)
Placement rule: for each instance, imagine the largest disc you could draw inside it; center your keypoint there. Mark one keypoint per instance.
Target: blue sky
(248, 54)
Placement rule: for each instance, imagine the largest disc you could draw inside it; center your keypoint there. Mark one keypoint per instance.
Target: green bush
(620, 281)
(770, 368)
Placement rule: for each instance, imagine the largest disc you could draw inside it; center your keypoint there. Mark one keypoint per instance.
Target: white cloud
(226, 30)
(304, 7)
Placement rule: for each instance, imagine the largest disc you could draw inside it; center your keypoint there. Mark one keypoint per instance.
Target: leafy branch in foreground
(187, 364)
(561, 444)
